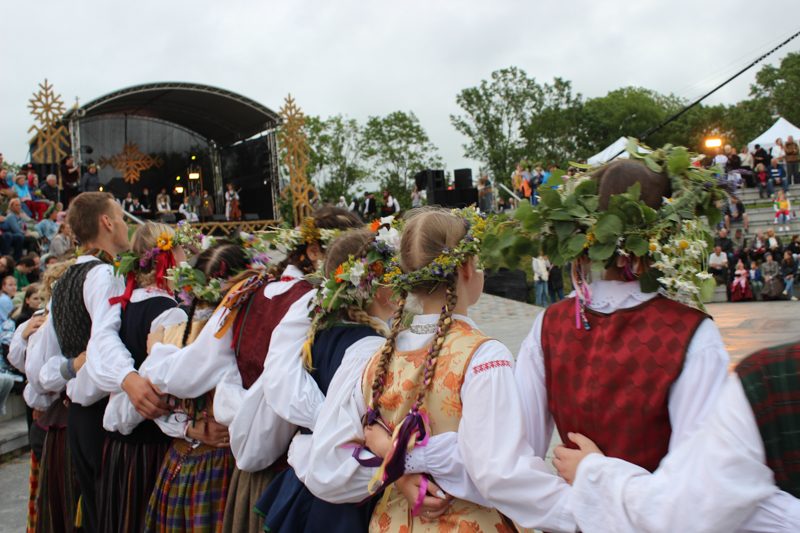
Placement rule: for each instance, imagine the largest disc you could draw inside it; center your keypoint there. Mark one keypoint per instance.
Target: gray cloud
(365, 58)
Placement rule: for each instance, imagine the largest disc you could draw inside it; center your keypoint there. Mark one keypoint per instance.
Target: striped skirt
(57, 497)
(33, 489)
(191, 489)
(126, 482)
(246, 489)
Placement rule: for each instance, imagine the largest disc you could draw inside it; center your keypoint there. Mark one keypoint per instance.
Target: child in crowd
(783, 210)
(740, 286)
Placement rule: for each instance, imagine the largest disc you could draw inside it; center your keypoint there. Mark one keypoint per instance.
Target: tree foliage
(336, 155)
(495, 115)
(779, 87)
(397, 147)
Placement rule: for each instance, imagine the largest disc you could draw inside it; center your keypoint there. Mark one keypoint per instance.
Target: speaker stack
(463, 195)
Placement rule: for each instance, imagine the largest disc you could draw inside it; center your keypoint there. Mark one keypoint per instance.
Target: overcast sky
(362, 58)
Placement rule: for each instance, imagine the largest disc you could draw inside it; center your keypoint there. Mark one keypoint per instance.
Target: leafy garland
(568, 225)
(194, 285)
(445, 265)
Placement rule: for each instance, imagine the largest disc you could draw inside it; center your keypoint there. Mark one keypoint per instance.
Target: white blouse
(716, 480)
(36, 395)
(492, 448)
(116, 416)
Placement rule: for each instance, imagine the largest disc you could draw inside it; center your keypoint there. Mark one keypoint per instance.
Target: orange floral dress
(442, 404)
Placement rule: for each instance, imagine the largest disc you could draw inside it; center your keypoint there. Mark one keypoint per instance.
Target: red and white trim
(483, 367)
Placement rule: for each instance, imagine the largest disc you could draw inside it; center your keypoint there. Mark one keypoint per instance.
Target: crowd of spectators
(760, 267)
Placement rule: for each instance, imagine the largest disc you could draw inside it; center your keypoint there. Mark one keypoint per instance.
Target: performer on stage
(436, 379)
(737, 473)
(352, 307)
(82, 319)
(229, 355)
(232, 210)
(131, 461)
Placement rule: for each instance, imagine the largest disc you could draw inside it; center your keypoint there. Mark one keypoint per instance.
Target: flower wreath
(355, 281)
(568, 225)
(277, 243)
(444, 267)
(194, 285)
(158, 260)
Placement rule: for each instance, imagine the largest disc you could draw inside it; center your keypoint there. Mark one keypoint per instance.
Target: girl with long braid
(192, 484)
(228, 356)
(438, 381)
(350, 316)
(131, 461)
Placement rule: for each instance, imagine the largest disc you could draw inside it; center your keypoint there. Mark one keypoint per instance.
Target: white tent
(613, 149)
(780, 130)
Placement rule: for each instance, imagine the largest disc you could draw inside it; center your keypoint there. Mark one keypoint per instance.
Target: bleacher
(761, 218)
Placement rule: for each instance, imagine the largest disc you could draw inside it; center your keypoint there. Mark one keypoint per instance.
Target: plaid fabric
(33, 481)
(127, 480)
(772, 385)
(191, 490)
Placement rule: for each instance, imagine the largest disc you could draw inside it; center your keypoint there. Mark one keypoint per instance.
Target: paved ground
(745, 328)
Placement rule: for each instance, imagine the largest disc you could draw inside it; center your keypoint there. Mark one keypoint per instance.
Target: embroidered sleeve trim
(483, 367)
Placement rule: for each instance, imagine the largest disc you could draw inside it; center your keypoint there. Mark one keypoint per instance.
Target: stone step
(13, 435)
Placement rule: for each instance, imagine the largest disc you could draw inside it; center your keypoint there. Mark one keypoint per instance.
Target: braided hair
(427, 233)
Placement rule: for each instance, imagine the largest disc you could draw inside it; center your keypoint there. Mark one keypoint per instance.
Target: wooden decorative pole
(51, 136)
(293, 141)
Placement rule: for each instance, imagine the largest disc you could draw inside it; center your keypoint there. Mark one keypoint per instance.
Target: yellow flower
(653, 246)
(683, 244)
(164, 242)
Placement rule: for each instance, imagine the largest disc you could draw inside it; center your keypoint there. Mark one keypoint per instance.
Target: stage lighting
(194, 157)
(177, 178)
(194, 175)
(713, 142)
(178, 189)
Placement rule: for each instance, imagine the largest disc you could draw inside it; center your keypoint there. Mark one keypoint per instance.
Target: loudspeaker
(429, 179)
(457, 198)
(463, 178)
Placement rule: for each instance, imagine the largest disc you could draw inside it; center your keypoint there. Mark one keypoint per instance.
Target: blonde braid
(387, 351)
(442, 328)
(359, 316)
(52, 274)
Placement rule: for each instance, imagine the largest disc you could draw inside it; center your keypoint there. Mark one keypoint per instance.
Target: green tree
(397, 147)
(625, 112)
(780, 87)
(336, 155)
(552, 132)
(495, 114)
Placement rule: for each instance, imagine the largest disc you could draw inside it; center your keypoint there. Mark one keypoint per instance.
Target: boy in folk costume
(637, 371)
(352, 307)
(82, 319)
(737, 473)
(131, 461)
(192, 484)
(436, 399)
(228, 356)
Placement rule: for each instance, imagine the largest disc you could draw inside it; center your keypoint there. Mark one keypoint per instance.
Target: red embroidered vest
(252, 331)
(612, 383)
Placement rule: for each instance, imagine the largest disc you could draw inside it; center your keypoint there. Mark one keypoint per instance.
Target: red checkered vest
(612, 383)
(254, 326)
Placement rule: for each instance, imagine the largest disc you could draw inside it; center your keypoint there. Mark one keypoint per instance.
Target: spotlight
(713, 142)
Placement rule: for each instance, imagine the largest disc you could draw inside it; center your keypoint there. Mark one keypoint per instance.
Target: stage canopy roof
(612, 150)
(780, 130)
(217, 114)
